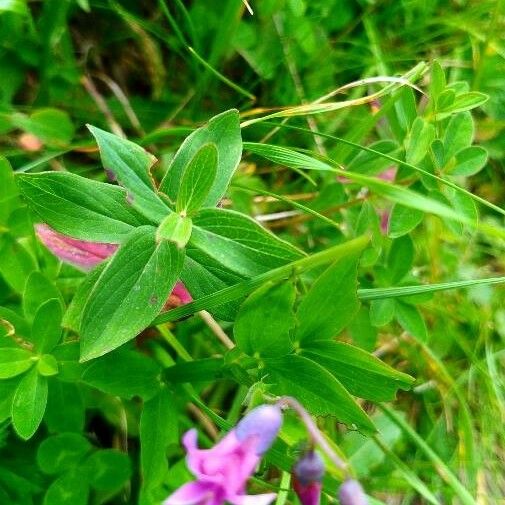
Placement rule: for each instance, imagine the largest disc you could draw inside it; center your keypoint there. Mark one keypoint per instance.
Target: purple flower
(308, 473)
(351, 493)
(222, 472)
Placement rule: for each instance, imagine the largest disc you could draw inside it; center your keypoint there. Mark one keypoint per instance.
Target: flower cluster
(221, 473)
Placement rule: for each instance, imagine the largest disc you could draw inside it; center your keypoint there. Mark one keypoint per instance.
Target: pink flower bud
(308, 473)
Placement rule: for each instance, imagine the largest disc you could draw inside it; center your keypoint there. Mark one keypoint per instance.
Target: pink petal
(182, 293)
(194, 493)
(229, 463)
(257, 499)
(79, 253)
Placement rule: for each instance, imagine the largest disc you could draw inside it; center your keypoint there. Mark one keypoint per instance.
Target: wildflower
(351, 493)
(222, 471)
(308, 473)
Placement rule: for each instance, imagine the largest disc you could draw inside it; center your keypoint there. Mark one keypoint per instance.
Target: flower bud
(309, 468)
(351, 493)
(308, 473)
(262, 424)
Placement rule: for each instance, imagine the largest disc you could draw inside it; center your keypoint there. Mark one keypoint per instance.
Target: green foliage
(347, 253)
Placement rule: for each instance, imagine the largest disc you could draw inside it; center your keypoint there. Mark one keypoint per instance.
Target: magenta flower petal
(222, 471)
(309, 494)
(194, 493)
(257, 499)
(80, 253)
(182, 293)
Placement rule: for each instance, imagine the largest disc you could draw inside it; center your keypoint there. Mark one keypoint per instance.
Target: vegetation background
(155, 70)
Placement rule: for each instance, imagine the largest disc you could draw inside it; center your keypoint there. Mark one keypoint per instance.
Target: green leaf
(418, 140)
(411, 320)
(52, 126)
(238, 243)
(130, 292)
(15, 6)
(73, 314)
(29, 404)
(469, 161)
(107, 470)
(458, 134)
(362, 332)
(198, 370)
(222, 130)
(265, 321)
(38, 290)
(64, 397)
(316, 388)
(69, 488)
(437, 80)
(10, 192)
(197, 180)
(130, 165)
(204, 276)
(47, 365)
(158, 429)
(80, 207)
(46, 328)
(400, 258)
(14, 361)
(361, 373)
(16, 263)
(463, 102)
(124, 373)
(176, 229)
(403, 220)
(382, 311)
(7, 390)
(331, 303)
(61, 452)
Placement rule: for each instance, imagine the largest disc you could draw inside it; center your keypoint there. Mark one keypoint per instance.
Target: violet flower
(351, 493)
(222, 471)
(308, 473)
(86, 255)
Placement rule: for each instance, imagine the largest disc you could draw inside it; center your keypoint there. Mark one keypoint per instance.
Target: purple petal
(79, 253)
(193, 493)
(351, 493)
(309, 468)
(261, 424)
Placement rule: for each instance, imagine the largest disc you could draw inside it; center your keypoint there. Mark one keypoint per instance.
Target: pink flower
(86, 255)
(222, 472)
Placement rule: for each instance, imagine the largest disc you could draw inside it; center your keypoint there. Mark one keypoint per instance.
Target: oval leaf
(223, 131)
(80, 207)
(29, 404)
(317, 389)
(130, 292)
(197, 180)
